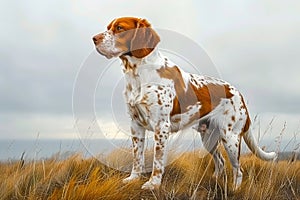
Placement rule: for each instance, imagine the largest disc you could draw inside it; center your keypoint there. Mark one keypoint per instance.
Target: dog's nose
(98, 38)
(95, 39)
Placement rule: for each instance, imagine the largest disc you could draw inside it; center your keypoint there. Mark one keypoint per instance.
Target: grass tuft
(188, 177)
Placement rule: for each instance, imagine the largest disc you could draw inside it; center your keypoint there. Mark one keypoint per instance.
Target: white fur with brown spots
(162, 98)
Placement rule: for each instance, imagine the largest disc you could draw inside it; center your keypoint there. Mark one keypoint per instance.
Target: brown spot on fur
(224, 131)
(159, 102)
(156, 172)
(127, 65)
(209, 95)
(223, 140)
(174, 74)
(129, 87)
(135, 139)
(144, 99)
(226, 112)
(233, 118)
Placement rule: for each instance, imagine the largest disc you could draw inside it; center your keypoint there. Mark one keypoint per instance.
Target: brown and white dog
(162, 98)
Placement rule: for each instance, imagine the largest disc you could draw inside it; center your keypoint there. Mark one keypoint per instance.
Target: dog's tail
(253, 146)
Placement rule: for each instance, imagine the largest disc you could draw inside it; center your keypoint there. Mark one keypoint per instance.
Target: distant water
(37, 149)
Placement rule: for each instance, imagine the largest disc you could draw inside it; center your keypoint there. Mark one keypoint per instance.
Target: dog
(163, 98)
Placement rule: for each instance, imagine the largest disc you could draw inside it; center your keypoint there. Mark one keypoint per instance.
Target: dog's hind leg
(232, 145)
(210, 140)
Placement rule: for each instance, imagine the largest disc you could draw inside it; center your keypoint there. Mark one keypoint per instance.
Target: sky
(254, 44)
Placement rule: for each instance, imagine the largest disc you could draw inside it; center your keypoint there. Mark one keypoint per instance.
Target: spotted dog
(163, 98)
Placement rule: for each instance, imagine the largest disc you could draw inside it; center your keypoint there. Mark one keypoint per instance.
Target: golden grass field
(188, 177)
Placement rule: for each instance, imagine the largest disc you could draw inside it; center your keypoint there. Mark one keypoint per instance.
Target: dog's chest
(144, 90)
(141, 85)
(137, 97)
(132, 89)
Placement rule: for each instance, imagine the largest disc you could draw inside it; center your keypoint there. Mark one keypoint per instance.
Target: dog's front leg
(160, 138)
(138, 140)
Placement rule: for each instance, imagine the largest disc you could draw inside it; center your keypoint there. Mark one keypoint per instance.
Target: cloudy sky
(255, 45)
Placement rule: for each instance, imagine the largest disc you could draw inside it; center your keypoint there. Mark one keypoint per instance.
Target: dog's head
(127, 36)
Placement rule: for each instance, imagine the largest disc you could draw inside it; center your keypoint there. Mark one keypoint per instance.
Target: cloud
(39, 126)
(253, 43)
(262, 60)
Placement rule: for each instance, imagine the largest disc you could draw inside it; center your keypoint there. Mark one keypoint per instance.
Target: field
(188, 177)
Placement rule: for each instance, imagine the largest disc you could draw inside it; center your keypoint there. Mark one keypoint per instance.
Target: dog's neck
(154, 60)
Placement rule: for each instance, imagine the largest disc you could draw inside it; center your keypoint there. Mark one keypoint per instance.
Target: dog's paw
(150, 186)
(131, 178)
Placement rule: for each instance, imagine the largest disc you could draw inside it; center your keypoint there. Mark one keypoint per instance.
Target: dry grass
(188, 177)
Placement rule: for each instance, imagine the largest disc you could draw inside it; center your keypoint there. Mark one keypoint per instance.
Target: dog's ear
(144, 39)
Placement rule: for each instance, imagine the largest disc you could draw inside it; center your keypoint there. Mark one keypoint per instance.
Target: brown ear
(144, 39)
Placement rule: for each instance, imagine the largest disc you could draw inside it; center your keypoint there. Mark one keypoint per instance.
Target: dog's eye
(119, 28)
